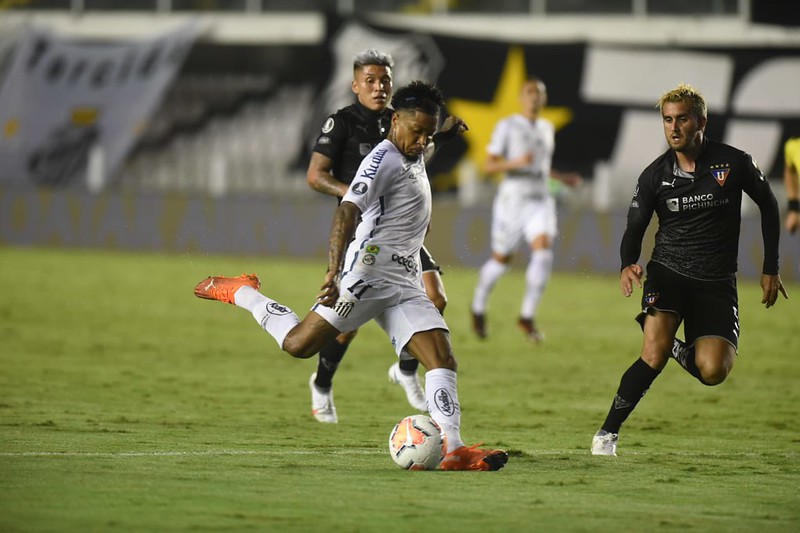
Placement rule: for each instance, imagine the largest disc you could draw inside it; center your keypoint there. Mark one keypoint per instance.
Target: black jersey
(699, 214)
(350, 134)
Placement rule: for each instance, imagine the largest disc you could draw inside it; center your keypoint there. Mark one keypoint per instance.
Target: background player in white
(522, 147)
(374, 270)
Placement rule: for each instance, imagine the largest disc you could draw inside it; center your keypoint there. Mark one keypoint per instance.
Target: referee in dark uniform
(345, 138)
(695, 189)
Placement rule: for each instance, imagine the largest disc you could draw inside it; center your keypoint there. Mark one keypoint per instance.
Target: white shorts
(400, 309)
(515, 221)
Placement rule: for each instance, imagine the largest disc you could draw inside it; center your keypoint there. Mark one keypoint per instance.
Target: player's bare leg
(301, 339)
(433, 349)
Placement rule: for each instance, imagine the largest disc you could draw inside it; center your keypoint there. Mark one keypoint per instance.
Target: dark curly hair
(418, 96)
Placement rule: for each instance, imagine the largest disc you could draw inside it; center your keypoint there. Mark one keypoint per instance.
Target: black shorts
(427, 262)
(707, 308)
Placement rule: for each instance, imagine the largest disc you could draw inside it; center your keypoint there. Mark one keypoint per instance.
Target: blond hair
(685, 93)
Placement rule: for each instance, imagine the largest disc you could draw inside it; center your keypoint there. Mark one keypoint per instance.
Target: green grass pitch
(127, 404)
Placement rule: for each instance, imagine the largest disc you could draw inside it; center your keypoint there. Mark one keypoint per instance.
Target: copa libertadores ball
(417, 442)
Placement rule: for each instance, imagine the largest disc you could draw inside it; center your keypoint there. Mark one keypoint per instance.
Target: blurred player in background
(695, 188)
(791, 180)
(346, 137)
(376, 236)
(522, 148)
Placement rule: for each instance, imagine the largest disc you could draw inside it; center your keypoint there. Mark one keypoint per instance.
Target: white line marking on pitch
(363, 451)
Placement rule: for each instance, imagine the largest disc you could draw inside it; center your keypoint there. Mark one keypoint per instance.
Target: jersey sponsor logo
(673, 204)
(368, 260)
(328, 126)
(360, 188)
(274, 308)
(343, 308)
(370, 170)
(407, 262)
(444, 402)
(695, 202)
(721, 172)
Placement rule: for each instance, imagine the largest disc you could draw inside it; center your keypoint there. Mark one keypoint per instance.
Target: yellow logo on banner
(10, 128)
(483, 117)
(84, 116)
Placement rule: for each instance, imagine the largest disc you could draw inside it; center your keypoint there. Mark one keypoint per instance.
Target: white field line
(365, 451)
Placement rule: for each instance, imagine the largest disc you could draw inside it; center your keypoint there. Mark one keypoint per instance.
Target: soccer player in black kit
(346, 137)
(695, 188)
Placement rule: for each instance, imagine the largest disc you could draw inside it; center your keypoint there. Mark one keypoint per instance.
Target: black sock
(409, 366)
(329, 357)
(684, 355)
(634, 383)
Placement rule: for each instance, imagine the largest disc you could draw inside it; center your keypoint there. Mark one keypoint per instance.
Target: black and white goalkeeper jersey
(699, 214)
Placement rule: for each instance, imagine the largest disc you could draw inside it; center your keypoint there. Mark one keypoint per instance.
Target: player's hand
(451, 122)
(792, 221)
(329, 291)
(630, 274)
(770, 286)
(571, 179)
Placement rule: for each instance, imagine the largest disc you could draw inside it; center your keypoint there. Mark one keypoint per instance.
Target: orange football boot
(474, 458)
(223, 288)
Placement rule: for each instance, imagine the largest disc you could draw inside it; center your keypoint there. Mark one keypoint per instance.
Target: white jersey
(394, 196)
(381, 278)
(515, 136)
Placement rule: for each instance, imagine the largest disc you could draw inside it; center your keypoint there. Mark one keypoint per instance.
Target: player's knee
(346, 337)
(297, 347)
(714, 376)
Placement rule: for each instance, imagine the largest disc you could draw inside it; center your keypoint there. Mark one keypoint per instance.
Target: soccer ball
(417, 442)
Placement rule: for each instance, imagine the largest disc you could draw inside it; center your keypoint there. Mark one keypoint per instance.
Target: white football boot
(604, 443)
(322, 403)
(412, 386)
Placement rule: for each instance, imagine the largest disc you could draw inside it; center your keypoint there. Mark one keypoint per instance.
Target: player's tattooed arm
(342, 230)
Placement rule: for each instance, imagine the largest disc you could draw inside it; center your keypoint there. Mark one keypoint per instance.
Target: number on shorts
(358, 291)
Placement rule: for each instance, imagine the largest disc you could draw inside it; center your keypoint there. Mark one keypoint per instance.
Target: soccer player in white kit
(374, 271)
(522, 148)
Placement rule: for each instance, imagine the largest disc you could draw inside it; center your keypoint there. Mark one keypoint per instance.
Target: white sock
(536, 277)
(276, 319)
(491, 271)
(442, 398)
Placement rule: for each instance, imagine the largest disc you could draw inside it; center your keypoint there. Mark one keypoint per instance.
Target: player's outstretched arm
(628, 276)
(319, 176)
(770, 286)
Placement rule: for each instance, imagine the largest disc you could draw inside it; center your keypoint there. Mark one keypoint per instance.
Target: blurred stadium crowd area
(346, 7)
(241, 113)
(134, 114)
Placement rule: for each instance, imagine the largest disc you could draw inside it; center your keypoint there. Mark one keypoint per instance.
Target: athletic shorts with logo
(401, 309)
(707, 308)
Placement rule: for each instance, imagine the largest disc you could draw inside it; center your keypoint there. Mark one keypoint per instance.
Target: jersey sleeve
(332, 136)
(639, 214)
(498, 143)
(755, 184)
(372, 180)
